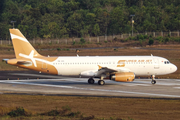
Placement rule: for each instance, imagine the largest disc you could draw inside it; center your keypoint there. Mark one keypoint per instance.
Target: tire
(91, 81)
(153, 82)
(101, 82)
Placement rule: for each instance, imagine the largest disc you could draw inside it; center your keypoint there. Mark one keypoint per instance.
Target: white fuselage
(88, 66)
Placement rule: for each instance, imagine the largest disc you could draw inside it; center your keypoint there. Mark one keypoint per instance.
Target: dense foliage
(79, 18)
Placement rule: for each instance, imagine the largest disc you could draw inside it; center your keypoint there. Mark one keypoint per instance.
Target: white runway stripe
(167, 84)
(177, 87)
(29, 80)
(137, 85)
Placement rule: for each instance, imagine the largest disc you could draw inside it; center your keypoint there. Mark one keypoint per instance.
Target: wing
(105, 70)
(108, 70)
(119, 75)
(98, 72)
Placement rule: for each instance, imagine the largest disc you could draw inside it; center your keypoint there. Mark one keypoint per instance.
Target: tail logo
(18, 37)
(30, 56)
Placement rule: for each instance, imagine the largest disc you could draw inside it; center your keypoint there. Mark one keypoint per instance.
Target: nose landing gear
(153, 79)
(153, 82)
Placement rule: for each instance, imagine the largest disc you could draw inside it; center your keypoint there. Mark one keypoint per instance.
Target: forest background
(80, 18)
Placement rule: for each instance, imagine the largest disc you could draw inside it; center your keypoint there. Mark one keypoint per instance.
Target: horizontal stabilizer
(19, 62)
(5, 60)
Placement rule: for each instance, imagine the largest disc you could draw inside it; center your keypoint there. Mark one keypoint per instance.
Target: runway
(35, 83)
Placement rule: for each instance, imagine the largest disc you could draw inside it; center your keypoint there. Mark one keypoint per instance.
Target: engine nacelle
(123, 77)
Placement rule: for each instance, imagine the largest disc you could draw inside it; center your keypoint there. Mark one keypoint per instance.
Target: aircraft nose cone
(173, 68)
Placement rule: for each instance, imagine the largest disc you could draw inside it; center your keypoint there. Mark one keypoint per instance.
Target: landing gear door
(156, 63)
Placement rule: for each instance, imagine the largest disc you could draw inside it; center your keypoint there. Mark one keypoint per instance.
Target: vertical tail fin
(21, 44)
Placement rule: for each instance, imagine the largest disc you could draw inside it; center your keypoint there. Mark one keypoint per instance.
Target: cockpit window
(166, 62)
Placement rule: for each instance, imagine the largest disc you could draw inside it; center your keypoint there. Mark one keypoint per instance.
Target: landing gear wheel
(91, 81)
(153, 82)
(153, 79)
(101, 82)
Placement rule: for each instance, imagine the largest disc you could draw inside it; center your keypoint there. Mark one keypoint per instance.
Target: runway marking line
(136, 85)
(177, 87)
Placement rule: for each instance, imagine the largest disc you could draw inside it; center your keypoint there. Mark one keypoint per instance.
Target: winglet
(99, 67)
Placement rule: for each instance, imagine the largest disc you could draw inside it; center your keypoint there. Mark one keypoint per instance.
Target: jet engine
(123, 77)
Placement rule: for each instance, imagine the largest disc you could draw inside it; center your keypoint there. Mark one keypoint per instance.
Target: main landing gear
(91, 81)
(153, 80)
(100, 82)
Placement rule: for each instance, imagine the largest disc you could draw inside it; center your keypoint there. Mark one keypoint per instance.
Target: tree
(75, 23)
(151, 41)
(116, 20)
(64, 18)
(96, 29)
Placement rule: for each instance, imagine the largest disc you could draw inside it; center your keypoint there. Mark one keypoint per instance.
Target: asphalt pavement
(32, 82)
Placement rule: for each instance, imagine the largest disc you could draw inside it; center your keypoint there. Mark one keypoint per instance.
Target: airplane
(116, 68)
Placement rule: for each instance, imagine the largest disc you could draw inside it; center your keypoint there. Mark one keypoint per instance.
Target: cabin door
(156, 63)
